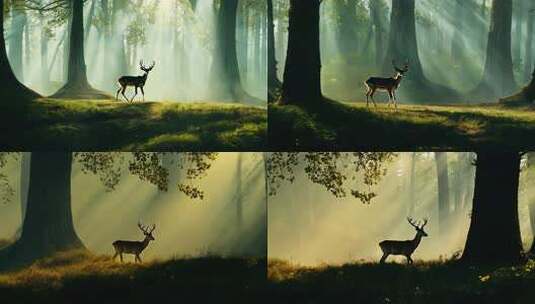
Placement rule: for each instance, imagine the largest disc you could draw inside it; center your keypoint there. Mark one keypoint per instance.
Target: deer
(389, 85)
(134, 81)
(134, 247)
(405, 248)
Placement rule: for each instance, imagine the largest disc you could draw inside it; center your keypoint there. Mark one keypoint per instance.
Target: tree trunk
(77, 85)
(494, 234)
(45, 78)
(532, 225)
(402, 44)
(526, 95)
(273, 82)
(48, 225)
(529, 44)
(412, 185)
(457, 41)
(441, 161)
(498, 79)
(225, 70)
(11, 87)
(379, 27)
(302, 72)
(18, 23)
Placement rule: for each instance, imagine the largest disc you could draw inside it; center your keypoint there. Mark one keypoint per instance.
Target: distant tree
(273, 82)
(441, 162)
(498, 78)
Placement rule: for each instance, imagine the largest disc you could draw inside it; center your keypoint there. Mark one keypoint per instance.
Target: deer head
(146, 69)
(419, 228)
(146, 232)
(402, 71)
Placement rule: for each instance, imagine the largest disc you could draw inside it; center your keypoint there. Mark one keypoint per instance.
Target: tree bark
(11, 86)
(498, 79)
(273, 82)
(526, 95)
(302, 72)
(441, 162)
(494, 233)
(77, 85)
(529, 44)
(48, 225)
(225, 70)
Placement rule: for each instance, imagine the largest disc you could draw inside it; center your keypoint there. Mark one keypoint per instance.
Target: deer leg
(121, 256)
(122, 92)
(383, 258)
(115, 255)
(395, 99)
(409, 260)
(391, 99)
(372, 93)
(117, 95)
(143, 93)
(135, 94)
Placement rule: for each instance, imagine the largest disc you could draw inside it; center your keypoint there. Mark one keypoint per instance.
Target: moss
(352, 126)
(109, 125)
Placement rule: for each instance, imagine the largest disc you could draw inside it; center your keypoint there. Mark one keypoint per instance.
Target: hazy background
(184, 227)
(307, 225)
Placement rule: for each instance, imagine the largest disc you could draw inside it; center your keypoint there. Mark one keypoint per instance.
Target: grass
(79, 277)
(351, 126)
(86, 125)
(436, 282)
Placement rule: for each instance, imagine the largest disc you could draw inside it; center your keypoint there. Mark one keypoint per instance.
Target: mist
(178, 37)
(451, 39)
(309, 226)
(185, 227)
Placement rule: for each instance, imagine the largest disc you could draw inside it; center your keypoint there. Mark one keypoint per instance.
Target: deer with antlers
(138, 82)
(389, 85)
(405, 248)
(134, 247)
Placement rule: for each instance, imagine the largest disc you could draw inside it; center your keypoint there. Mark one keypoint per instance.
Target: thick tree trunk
(494, 234)
(498, 79)
(302, 72)
(18, 23)
(11, 87)
(379, 27)
(225, 70)
(402, 43)
(441, 162)
(273, 82)
(77, 85)
(48, 225)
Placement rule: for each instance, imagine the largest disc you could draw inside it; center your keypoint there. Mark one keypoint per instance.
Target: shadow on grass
(77, 277)
(338, 126)
(438, 282)
(95, 126)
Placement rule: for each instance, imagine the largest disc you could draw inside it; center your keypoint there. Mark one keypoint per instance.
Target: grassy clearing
(86, 125)
(78, 277)
(349, 126)
(437, 282)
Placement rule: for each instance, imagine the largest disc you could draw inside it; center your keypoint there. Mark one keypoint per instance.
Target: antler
(413, 224)
(143, 228)
(153, 227)
(423, 225)
(144, 68)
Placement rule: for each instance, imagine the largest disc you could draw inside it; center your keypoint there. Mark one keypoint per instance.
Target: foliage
(339, 173)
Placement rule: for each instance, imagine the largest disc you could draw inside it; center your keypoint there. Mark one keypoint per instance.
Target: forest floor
(438, 282)
(77, 277)
(86, 125)
(352, 126)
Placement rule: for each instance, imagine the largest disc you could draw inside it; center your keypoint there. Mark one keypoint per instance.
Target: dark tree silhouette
(494, 234)
(302, 72)
(11, 87)
(273, 82)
